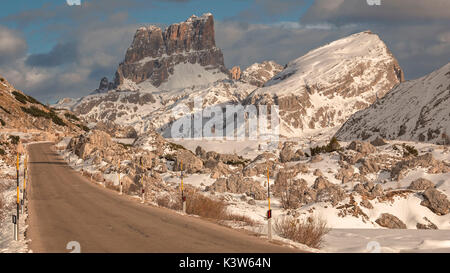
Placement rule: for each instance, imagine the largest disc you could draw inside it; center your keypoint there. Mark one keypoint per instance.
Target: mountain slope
(317, 91)
(20, 112)
(414, 110)
(324, 87)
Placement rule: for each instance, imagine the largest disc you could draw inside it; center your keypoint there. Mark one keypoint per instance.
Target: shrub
(310, 231)
(14, 139)
(33, 100)
(175, 146)
(240, 218)
(2, 204)
(409, 150)
(332, 146)
(1, 107)
(167, 202)
(203, 206)
(2, 79)
(71, 116)
(2, 122)
(25, 98)
(20, 97)
(2, 152)
(36, 112)
(83, 127)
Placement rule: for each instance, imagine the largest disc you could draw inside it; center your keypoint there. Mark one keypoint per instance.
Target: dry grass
(201, 205)
(309, 231)
(2, 204)
(167, 202)
(241, 218)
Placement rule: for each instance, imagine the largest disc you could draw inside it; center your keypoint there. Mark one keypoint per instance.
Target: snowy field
(349, 233)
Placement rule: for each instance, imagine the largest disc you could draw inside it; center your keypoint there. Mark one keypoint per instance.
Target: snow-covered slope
(315, 92)
(153, 109)
(414, 110)
(324, 87)
(260, 73)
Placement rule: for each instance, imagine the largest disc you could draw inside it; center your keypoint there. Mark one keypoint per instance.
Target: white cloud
(12, 45)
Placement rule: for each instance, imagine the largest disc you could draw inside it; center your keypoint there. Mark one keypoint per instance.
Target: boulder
(421, 184)
(236, 183)
(436, 201)
(425, 161)
(191, 163)
(369, 190)
(427, 225)
(287, 154)
(390, 221)
(315, 159)
(378, 142)
(328, 192)
(200, 152)
(362, 147)
(368, 165)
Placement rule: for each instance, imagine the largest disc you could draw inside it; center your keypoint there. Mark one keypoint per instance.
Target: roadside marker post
(269, 212)
(18, 199)
(120, 183)
(183, 198)
(142, 183)
(25, 171)
(15, 228)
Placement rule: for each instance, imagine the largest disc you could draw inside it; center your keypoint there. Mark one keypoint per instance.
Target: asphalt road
(65, 206)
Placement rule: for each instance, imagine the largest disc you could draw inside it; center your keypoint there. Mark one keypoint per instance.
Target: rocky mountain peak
(327, 85)
(155, 53)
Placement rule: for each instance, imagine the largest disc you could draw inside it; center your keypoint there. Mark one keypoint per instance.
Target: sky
(53, 49)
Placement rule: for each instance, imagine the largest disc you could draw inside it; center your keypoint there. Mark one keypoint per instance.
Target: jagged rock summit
(183, 54)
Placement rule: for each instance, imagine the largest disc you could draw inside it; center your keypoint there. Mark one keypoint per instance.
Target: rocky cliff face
(327, 85)
(155, 53)
(414, 110)
(259, 73)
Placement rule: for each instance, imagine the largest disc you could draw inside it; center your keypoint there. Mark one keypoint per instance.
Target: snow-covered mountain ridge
(415, 110)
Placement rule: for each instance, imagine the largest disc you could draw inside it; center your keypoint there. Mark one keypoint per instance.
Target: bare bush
(168, 202)
(241, 218)
(310, 231)
(2, 204)
(201, 205)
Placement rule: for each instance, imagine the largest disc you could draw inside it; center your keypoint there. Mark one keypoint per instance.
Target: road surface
(65, 206)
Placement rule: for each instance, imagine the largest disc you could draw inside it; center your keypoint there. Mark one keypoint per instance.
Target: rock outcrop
(259, 73)
(352, 71)
(235, 73)
(154, 52)
(390, 221)
(421, 184)
(436, 201)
